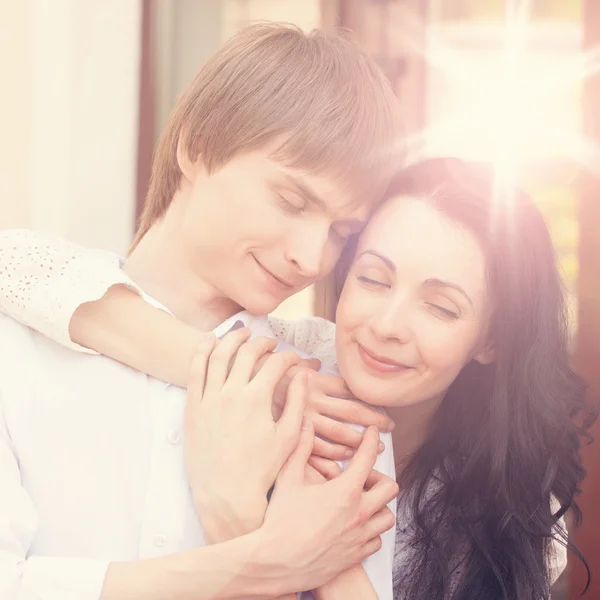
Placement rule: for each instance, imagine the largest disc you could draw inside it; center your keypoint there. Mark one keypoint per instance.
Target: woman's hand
(234, 448)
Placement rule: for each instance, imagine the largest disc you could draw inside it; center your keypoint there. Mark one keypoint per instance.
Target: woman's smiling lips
(378, 363)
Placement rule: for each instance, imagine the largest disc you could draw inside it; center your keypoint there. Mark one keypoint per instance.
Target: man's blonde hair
(319, 93)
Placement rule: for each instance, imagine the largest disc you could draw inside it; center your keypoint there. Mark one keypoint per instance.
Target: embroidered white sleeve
(44, 279)
(313, 335)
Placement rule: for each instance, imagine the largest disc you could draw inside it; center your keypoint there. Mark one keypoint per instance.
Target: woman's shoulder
(313, 335)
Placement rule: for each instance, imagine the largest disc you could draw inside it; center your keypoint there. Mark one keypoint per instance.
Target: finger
(362, 462)
(329, 469)
(351, 411)
(374, 477)
(271, 373)
(312, 475)
(314, 364)
(370, 548)
(280, 393)
(333, 430)
(379, 496)
(331, 386)
(341, 433)
(288, 426)
(383, 520)
(220, 359)
(247, 357)
(331, 451)
(296, 463)
(198, 368)
(276, 411)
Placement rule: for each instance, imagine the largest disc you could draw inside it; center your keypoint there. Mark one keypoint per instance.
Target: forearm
(233, 569)
(123, 326)
(349, 585)
(224, 524)
(243, 568)
(218, 529)
(224, 520)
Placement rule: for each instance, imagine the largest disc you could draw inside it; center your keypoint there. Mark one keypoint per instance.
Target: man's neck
(159, 267)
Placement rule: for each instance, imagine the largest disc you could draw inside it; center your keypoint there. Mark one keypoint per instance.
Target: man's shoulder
(17, 353)
(12, 332)
(20, 344)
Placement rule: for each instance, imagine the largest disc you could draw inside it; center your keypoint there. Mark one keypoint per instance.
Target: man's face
(259, 232)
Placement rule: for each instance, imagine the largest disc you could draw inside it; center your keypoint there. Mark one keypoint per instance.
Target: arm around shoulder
(46, 278)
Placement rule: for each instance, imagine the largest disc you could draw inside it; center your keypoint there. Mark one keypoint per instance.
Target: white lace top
(43, 279)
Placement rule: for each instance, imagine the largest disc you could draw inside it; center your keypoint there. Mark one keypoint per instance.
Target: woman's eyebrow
(439, 283)
(390, 265)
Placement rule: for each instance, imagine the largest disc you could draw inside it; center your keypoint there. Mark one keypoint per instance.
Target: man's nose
(307, 250)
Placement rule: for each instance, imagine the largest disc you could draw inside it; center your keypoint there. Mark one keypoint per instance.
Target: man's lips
(282, 282)
(380, 363)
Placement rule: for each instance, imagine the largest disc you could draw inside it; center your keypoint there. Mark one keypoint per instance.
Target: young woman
(452, 317)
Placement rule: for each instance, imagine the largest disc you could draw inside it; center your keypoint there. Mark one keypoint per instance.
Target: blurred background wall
(69, 117)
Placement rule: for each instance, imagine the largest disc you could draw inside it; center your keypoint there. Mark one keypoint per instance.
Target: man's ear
(188, 166)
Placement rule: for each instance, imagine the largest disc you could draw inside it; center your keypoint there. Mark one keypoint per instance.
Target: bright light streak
(516, 108)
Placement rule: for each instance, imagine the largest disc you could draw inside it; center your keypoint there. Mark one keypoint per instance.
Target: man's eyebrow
(448, 284)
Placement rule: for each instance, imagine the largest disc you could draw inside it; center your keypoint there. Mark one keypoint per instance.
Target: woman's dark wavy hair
(506, 437)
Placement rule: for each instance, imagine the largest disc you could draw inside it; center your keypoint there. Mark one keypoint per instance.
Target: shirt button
(160, 540)
(174, 437)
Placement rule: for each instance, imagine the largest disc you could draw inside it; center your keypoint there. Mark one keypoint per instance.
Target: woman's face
(414, 309)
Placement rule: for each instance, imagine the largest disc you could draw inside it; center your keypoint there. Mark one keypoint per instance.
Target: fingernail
(305, 423)
(349, 453)
(391, 426)
(381, 447)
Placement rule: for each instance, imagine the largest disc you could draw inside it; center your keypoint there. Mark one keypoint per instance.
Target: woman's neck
(412, 427)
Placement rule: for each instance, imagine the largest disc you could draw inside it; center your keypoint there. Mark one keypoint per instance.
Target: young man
(275, 154)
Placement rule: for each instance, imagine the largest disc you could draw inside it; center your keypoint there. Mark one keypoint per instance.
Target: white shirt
(91, 457)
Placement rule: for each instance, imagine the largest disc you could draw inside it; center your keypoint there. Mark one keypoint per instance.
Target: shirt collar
(258, 324)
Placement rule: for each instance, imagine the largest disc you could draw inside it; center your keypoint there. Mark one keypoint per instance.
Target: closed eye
(445, 312)
(372, 282)
(288, 206)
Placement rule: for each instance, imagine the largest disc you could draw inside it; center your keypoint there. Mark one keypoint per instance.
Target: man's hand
(233, 447)
(330, 407)
(327, 527)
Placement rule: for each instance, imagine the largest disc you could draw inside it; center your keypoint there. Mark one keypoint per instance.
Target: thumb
(199, 367)
(296, 463)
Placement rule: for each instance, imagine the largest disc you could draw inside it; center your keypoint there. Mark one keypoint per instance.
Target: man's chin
(263, 304)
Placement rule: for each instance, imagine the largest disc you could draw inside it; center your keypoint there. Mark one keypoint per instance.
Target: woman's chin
(368, 393)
